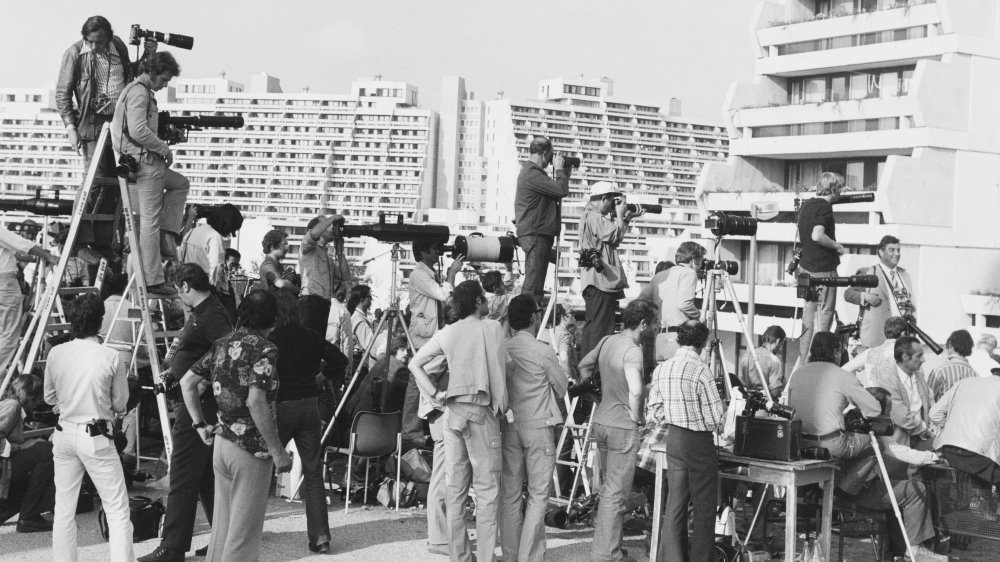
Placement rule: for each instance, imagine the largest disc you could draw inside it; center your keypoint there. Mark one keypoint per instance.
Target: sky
(653, 49)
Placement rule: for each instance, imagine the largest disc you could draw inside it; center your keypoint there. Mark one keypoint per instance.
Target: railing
(842, 13)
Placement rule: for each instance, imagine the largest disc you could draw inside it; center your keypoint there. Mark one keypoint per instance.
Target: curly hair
(85, 315)
(160, 62)
(272, 239)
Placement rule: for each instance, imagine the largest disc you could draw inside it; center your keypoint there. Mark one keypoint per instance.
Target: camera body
(793, 264)
(570, 162)
(128, 167)
(99, 427)
(855, 422)
(730, 267)
(589, 385)
(591, 258)
(136, 34)
(755, 400)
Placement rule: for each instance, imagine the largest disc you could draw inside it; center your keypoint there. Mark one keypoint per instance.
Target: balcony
(853, 42)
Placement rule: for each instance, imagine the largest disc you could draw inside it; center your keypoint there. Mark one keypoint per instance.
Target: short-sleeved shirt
(769, 363)
(270, 271)
(616, 354)
(207, 322)
(815, 258)
(237, 363)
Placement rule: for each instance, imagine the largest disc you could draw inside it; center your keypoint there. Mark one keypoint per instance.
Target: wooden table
(791, 475)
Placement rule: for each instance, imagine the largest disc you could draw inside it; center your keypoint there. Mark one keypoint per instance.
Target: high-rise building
(34, 151)
(649, 151)
(897, 96)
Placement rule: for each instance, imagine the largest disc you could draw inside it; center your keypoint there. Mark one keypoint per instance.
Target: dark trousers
(692, 477)
(299, 420)
(315, 312)
(971, 463)
(536, 263)
(413, 426)
(32, 490)
(191, 478)
(600, 316)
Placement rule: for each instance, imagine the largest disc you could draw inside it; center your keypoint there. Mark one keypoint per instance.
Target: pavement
(367, 533)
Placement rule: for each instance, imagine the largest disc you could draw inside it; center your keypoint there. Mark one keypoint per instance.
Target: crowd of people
(485, 387)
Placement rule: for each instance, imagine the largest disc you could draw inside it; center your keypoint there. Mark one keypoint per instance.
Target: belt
(813, 437)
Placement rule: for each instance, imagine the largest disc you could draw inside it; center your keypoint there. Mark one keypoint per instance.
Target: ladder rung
(105, 181)
(58, 327)
(167, 334)
(76, 290)
(575, 426)
(98, 217)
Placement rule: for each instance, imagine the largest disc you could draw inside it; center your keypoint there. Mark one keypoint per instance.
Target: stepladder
(584, 465)
(47, 325)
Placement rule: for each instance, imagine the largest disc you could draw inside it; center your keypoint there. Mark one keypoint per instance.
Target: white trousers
(75, 453)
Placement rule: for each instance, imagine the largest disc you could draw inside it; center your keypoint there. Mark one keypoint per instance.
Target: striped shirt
(684, 394)
(945, 376)
(110, 76)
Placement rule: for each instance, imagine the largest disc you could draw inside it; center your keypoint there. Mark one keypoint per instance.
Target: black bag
(146, 515)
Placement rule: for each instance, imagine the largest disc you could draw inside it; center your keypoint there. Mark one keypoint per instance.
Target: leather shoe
(163, 554)
(203, 551)
(34, 525)
(321, 548)
(6, 514)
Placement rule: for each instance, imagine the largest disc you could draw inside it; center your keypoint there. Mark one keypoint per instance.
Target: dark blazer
(873, 323)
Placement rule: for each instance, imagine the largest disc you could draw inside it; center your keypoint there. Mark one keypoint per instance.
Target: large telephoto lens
(722, 224)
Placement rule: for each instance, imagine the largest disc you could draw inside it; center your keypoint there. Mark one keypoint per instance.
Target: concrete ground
(368, 533)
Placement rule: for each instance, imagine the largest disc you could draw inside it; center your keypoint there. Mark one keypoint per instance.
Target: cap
(602, 188)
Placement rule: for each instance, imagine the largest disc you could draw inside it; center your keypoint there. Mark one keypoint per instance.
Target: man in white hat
(602, 228)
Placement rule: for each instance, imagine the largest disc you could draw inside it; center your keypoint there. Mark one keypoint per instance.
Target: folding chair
(371, 438)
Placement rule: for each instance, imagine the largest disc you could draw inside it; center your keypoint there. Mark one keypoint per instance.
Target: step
(77, 290)
(99, 217)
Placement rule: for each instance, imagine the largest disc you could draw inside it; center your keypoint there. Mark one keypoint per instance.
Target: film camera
(591, 258)
(855, 422)
(174, 129)
(730, 267)
(756, 401)
(127, 168)
(39, 206)
(634, 207)
(589, 385)
(99, 427)
(806, 286)
(723, 224)
(570, 162)
(136, 34)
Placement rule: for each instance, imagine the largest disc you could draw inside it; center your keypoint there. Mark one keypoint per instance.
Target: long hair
(358, 294)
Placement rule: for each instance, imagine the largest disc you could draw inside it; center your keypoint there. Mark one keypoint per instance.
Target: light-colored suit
(873, 323)
(907, 424)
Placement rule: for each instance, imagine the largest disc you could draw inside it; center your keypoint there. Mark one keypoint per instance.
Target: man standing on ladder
(160, 192)
(537, 208)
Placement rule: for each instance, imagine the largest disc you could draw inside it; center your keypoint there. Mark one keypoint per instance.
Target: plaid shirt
(945, 376)
(683, 393)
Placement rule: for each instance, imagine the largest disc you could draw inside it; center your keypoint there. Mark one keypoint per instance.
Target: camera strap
(893, 304)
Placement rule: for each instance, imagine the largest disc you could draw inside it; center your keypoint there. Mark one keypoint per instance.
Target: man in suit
(892, 297)
(911, 397)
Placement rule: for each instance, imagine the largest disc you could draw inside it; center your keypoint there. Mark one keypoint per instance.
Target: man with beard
(618, 418)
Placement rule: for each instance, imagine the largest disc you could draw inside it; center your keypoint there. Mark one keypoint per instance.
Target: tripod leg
(728, 284)
(892, 495)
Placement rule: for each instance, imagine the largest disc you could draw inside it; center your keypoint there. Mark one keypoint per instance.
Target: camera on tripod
(127, 168)
(806, 288)
(855, 422)
(730, 267)
(723, 224)
(756, 401)
(136, 34)
(591, 258)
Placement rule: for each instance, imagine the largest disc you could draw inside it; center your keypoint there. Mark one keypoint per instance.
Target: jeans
(299, 420)
(536, 263)
(692, 477)
(617, 448)
(75, 453)
(11, 313)
(472, 456)
(817, 316)
(600, 316)
(242, 484)
(527, 454)
(31, 489)
(315, 313)
(437, 491)
(191, 477)
(158, 196)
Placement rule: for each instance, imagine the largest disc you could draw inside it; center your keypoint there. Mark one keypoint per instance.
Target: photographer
(191, 476)
(618, 418)
(273, 275)
(911, 397)
(538, 210)
(603, 281)
(89, 385)
(673, 290)
(204, 246)
(820, 256)
(892, 297)
(160, 193)
(685, 398)
(322, 274)
(11, 297)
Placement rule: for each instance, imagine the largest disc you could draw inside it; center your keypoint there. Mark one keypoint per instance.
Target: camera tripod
(709, 315)
(389, 317)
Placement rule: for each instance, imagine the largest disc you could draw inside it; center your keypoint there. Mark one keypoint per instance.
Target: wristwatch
(199, 425)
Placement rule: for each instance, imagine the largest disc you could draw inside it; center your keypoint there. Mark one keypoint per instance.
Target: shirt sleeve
(13, 242)
(308, 245)
(906, 454)
(203, 366)
(685, 294)
(119, 386)
(603, 230)
(651, 292)
(861, 398)
(424, 284)
(710, 402)
(51, 397)
(939, 411)
(633, 358)
(136, 103)
(553, 371)
(538, 182)
(263, 370)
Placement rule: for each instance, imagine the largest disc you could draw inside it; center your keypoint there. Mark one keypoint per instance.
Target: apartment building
(652, 153)
(896, 95)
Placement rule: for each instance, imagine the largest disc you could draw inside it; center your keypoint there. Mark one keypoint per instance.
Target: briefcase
(768, 438)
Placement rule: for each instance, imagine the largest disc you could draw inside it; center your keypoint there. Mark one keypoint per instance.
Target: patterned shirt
(945, 376)
(235, 364)
(684, 394)
(110, 76)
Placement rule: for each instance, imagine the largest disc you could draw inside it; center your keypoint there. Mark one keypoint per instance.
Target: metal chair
(371, 438)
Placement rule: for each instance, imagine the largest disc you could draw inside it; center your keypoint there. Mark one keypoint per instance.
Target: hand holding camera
(454, 268)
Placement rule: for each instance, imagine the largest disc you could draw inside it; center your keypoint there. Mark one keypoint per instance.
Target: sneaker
(34, 525)
(161, 290)
(163, 554)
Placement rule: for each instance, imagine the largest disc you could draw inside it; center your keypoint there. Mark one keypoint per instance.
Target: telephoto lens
(722, 224)
(652, 209)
